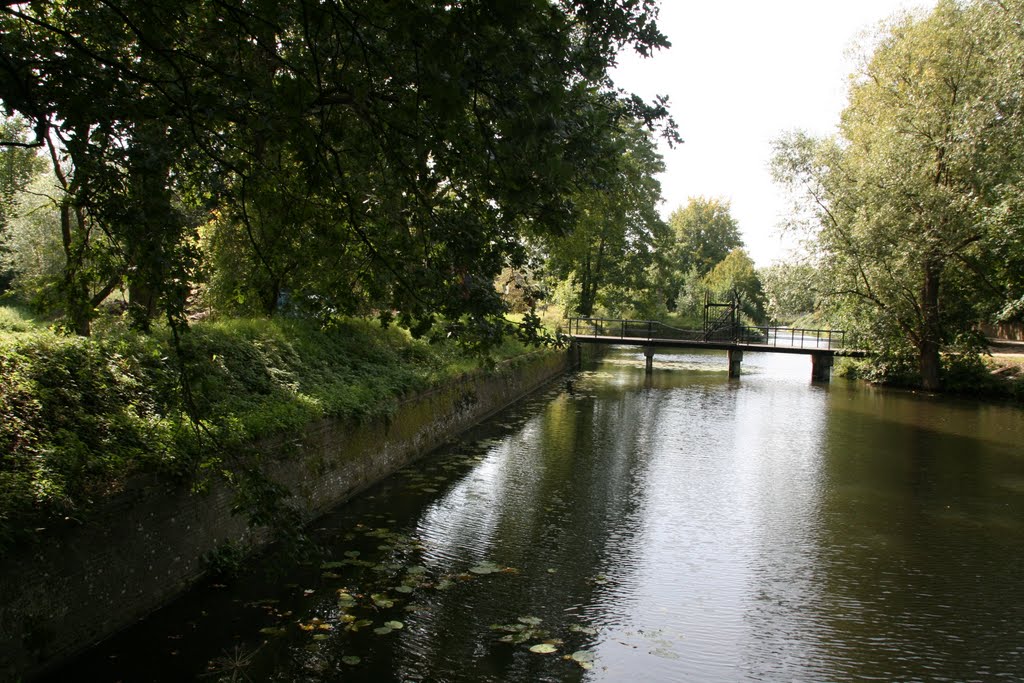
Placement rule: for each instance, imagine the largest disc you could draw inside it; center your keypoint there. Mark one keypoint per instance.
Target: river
(622, 527)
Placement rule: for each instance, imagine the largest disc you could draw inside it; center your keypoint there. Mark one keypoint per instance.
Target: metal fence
(786, 337)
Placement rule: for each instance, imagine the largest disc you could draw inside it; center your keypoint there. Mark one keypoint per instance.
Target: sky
(739, 74)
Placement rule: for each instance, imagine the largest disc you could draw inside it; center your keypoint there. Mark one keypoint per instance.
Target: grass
(81, 416)
(15, 318)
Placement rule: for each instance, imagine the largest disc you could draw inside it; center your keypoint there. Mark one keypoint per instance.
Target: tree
(735, 278)
(904, 198)
(19, 164)
(375, 156)
(790, 289)
(609, 251)
(705, 233)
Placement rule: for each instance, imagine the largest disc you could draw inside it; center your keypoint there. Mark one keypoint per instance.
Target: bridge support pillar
(821, 367)
(735, 359)
(649, 355)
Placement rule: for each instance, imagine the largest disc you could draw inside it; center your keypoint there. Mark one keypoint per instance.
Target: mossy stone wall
(84, 581)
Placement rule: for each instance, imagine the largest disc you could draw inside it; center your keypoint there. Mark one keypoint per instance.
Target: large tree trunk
(141, 305)
(931, 331)
(77, 307)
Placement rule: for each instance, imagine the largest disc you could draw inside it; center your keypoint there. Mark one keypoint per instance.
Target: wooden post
(735, 359)
(821, 367)
(649, 355)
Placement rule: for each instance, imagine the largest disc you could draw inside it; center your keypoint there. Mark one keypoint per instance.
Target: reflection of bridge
(821, 345)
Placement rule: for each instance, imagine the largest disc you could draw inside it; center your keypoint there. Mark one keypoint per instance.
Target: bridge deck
(713, 345)
(722, 337)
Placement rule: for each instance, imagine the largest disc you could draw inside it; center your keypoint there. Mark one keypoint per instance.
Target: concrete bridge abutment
(821, 367)
(735, 360)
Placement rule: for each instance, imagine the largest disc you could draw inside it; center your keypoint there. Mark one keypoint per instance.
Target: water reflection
(674, 526)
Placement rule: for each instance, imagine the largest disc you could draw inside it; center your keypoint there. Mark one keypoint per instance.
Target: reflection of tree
(560, 498)
(919, 550)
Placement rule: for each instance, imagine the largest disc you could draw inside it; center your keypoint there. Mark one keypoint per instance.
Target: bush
(80, 416)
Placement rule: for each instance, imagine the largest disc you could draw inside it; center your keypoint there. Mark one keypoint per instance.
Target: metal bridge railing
(772, 336)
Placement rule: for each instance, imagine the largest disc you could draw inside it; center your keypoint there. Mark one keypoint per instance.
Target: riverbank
(292, 422)
(997, 375)
(663, 527)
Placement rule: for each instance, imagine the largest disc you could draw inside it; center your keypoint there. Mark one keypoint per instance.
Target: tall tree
(735, 278)
(903, 199)
(20, 163)
(705, 233)
(618, 231)
(408, 146)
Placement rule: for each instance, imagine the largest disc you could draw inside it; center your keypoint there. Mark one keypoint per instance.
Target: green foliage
(82, 416)
(914, 213)
(18, 165)
(609, 255)
(705, 233)
(735, 278)
(30, 246)
(362, 157)
(790, 291)
(15, 319)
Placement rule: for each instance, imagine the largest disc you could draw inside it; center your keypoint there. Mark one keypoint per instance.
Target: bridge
(724, 334)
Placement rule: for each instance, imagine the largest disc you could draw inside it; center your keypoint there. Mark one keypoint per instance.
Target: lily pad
(394, 625)
(404, 589)
(530, 621)
(382, 630)
(352, 554)
(382, 601)
(274, 630)
(351, 660)
(582, 656)
(543, 649)
(485, 568)
(360, 624)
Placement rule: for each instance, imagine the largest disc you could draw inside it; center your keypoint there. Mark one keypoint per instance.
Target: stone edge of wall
(147, 546)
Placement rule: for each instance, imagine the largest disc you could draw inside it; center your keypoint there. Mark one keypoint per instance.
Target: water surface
(674, 527)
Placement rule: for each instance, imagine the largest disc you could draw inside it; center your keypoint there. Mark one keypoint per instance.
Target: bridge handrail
(762, 335)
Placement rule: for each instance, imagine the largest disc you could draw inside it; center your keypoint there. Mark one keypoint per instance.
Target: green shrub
(80, 416)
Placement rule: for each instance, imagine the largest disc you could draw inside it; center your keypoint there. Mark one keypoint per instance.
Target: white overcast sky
(739, 74)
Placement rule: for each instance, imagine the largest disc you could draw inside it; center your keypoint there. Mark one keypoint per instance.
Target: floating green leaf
(360, 624)
(543, 649)
(333, 565)
(530, 621)
(485, 568)
(351, 660)
(382, 630)
(382, 601)
(274, 630)
(394, 625)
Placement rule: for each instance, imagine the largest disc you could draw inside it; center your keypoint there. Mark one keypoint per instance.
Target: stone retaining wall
(81, 583)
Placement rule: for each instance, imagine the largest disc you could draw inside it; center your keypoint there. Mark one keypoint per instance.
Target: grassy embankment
(79, 417)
